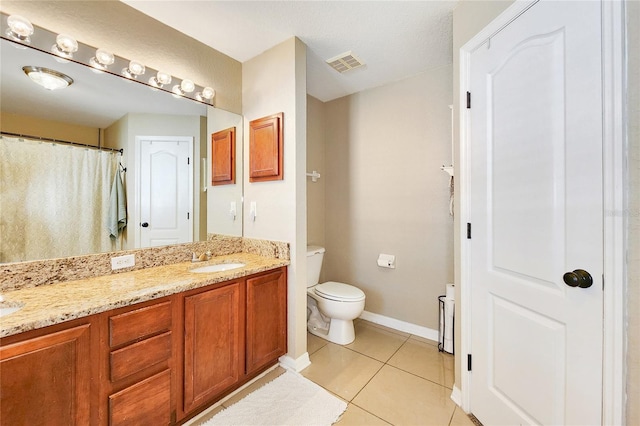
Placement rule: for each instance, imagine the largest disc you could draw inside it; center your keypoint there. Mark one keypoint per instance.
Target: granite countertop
(55, 303)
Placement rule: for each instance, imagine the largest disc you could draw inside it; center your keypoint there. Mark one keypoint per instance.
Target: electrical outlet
(120, 262)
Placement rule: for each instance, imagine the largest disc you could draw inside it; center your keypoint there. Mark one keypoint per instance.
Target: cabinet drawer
(136, 324)
(138, 356)
(145, 403)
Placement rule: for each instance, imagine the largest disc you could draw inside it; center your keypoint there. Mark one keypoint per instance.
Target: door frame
(138, 159)
(615, 186)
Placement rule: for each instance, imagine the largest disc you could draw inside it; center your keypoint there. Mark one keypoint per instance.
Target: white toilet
(332, 306)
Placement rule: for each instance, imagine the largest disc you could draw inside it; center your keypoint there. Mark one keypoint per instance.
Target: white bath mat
(290, 399)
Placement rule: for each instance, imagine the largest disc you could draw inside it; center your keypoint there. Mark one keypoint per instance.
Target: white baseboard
(297, 364)
(406, 327)
(456, 396)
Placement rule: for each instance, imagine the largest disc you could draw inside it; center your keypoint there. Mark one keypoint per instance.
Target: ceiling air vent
(345, 62)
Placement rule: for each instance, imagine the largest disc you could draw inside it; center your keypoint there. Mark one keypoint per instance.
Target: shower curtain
(54, 199)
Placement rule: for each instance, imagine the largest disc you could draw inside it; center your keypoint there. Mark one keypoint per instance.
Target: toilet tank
(315, 254)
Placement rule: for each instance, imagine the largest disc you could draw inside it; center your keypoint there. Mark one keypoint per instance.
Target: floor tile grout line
(369, 412)
(420, 377)
(394, 366)
(405, 340)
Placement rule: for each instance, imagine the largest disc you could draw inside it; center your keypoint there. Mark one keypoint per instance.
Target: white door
(166, 191)
(535, 211)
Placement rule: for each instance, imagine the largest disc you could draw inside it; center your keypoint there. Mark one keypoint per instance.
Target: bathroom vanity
(152, 346)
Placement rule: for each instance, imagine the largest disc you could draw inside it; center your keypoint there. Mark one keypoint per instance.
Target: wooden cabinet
(213, 343)
(46, 379)
(223, 157)
(138, 369)
(144, 403)
(157, 363)
(266, 148)
(266, 319)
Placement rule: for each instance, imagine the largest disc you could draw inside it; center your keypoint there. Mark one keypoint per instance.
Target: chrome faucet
(204, 256)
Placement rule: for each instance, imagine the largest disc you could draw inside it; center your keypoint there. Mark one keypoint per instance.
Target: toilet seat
(339, 292)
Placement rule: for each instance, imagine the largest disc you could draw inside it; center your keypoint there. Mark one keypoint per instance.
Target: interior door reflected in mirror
(103, 110)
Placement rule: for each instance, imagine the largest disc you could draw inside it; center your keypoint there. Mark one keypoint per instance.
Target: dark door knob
(144, 224)
(578, 278)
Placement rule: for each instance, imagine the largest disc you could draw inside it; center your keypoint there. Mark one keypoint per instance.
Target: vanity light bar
(20, 30)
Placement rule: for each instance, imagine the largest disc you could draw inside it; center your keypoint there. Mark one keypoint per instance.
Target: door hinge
(188, 215)
(468, 362)
(602, 282)
(469, 100)
(468, 231)
(188, 160)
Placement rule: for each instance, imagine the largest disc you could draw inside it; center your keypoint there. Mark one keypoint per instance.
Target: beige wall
(315, 161)
(114, 26)
(274, 82)
(385, 193)
(33, 126)
(633, 260)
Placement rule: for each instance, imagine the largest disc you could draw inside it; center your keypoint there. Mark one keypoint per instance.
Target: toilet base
(341, 332)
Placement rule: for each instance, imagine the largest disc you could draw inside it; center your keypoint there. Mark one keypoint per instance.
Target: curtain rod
(40, 138)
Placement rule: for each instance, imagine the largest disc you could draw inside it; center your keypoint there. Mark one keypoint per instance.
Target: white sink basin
(6, 310)
(217, 268)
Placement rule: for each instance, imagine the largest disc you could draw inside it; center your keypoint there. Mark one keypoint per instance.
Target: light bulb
(160, 79)
(102, 60)
(134, 70)
(65, 46)
(206, 95)
(19, 28)
(187, 86)
(163, 77)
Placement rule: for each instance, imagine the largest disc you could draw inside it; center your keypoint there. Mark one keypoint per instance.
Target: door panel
(526, 187)
(166, 192)
(535, 197)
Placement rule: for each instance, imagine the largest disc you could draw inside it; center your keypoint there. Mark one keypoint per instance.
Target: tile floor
(387, 378)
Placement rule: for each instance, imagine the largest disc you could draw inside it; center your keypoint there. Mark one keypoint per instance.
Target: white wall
(385, 193)
(274, 82)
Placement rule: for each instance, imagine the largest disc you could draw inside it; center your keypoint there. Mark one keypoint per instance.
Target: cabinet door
(46, 380)
(266, 319)
(213, 349)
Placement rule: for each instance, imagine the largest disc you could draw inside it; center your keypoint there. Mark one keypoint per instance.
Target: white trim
(403, 326)
(456, 396)
(297, 364)
(615, 185)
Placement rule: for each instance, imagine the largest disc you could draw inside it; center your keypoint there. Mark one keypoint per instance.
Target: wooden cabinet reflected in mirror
(223, 157)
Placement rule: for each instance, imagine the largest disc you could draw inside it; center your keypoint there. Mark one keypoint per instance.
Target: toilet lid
(339, 291)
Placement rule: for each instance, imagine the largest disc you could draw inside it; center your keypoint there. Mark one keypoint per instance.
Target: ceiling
(395, 39)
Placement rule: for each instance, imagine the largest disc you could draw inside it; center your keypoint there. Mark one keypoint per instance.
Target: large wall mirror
(110, 111)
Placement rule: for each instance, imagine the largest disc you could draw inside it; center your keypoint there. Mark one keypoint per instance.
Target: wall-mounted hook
(314, 176)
